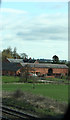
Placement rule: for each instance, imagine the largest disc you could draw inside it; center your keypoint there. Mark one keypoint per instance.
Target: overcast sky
(39, 29)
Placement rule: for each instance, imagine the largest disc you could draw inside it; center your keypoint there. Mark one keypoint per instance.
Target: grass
(33, 103)
(57, 92)
(32, 99)
(58, 80)
(28, 107)
(10, 79)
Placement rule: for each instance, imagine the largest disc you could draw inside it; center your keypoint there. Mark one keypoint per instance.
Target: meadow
(59, 92)
(12, 79)
(9, 79)
(37, 97)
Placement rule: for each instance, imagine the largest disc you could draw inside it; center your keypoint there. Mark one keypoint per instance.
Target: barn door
(50, 71)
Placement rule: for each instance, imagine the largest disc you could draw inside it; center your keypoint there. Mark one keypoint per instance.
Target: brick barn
(41, 69)
(11, 68)
(48, 70)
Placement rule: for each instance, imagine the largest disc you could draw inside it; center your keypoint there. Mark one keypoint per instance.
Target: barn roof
(40, 65)
(15, 60)
(10, 66)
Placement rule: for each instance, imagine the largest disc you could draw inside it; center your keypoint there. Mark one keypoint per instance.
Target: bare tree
(25, 72)
(24, 55)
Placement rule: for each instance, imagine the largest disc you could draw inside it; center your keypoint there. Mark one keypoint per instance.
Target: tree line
(9, 53)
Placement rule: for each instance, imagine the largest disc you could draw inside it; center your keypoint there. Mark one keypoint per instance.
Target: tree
(15, 53)
(7, 53)
(25, 73)
(55, 59)
(24, 55)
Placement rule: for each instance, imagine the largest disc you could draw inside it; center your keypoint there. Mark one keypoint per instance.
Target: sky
(39, 29)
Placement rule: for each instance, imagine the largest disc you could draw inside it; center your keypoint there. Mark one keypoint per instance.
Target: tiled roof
(10, 66)
(40, 65)
(15, 60)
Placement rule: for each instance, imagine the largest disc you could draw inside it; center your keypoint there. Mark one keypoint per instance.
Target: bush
(18, 93)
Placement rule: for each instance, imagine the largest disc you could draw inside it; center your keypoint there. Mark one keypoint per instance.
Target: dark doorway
(50, 71)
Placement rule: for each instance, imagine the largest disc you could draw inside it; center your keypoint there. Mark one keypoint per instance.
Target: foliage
(24, 55)
(15, 54)
(55, 59)
(25, 73)
(9, 53)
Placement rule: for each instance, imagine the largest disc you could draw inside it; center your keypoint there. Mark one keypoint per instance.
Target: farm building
(11, 68)
(50, 70)
(40, 69)
(12, 60)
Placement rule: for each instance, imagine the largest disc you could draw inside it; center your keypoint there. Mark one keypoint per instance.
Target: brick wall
(55, 70)
(10, 72)
(63, 70)
(39, 70)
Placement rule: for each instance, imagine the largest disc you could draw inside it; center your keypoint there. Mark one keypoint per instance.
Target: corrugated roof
(10, 66)
(40, 65)
(15, 60)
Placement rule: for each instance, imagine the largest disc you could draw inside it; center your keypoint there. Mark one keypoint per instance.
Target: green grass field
(54, 91)
(9, 79)
(12, 79)
(57, 92)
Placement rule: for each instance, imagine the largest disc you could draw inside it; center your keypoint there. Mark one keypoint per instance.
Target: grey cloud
(40, 28)
(42, 33)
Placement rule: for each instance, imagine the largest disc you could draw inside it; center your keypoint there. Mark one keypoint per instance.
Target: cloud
(38, 28)
(45, 33)
(10, 10)
(44, 28)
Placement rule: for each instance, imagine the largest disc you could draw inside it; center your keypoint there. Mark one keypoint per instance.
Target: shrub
(18, 93)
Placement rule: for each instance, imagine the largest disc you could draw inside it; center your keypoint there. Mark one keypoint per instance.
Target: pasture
(12, 79)
(9, 79)
(40, 96)
(54, 91)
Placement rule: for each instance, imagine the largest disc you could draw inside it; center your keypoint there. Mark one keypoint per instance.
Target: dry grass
(38, 101)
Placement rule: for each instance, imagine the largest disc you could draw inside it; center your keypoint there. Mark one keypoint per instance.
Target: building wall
(10, 72)
(55, 70)
(63, 71)
(41, 70)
